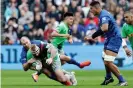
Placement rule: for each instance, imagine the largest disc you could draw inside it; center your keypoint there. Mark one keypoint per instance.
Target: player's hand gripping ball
(49, 61)
(37, 65)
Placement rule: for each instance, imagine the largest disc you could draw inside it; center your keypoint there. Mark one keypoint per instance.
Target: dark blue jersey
(24, 51)
(106, 18)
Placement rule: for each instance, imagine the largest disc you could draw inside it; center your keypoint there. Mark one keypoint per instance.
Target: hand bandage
(124, 42)
(38, 65)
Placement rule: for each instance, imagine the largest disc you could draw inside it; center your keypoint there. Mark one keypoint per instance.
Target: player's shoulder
(24, 50)
(124, 25)
(105, 13)
(62, 24)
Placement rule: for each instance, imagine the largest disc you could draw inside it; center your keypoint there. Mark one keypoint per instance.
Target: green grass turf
(86, 79)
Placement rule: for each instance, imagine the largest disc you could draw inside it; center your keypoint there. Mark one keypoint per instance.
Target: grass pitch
(86, 79)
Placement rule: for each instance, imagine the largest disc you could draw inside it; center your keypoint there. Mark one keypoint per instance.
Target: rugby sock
(108, 72)
(108, 75)
(72, 61)
(121, 79)
(67, 83)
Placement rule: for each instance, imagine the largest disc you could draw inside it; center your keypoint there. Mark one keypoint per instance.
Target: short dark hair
(68, 14)
(93, 3)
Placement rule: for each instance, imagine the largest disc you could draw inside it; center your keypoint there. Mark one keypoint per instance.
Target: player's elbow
(25, 68)
(104, 27)
(54, 51)
(54, 34)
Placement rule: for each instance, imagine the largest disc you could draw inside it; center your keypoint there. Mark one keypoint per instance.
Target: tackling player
(26, 46)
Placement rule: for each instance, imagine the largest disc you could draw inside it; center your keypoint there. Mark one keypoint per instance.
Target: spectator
(78, 17)
(21, 32)
(124, 4)
(48, 8)
(30, 35)
(91, 19)
(60, 12)
(131, 10)
(54, 23)
(36, 34)
(111, 6)
(37, 3)
(85, 3)
(86, 9)
(53, 13)
(38, 22)
(79, 9)
(26, 18)
(65, 9)
(13, 23)
(46, 21)
(39, 35)
(73, 6)
(60, 2)
(23, 4)
(47, 32)
(7, 41)
(131, 4)
(10, 31)
(11, 11)
(119, 20)
(78, 32)
(12, 2)
(36, 11)
(48, 13)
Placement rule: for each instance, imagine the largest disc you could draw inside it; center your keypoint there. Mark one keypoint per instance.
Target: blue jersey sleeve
(104, 20)
(23, 56)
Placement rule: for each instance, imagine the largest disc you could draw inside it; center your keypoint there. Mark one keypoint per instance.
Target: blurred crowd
(38, 18)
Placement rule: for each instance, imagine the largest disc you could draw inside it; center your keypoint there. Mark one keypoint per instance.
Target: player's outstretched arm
(124, 45)
(27, 65)
(56, 34)
(100, 31)
(53, 53)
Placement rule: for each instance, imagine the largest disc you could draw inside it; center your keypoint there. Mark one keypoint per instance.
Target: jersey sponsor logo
(104, 19)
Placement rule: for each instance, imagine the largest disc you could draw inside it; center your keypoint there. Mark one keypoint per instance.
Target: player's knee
(107, 63)
(46, 72)
(63, 62)
(64, 57)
